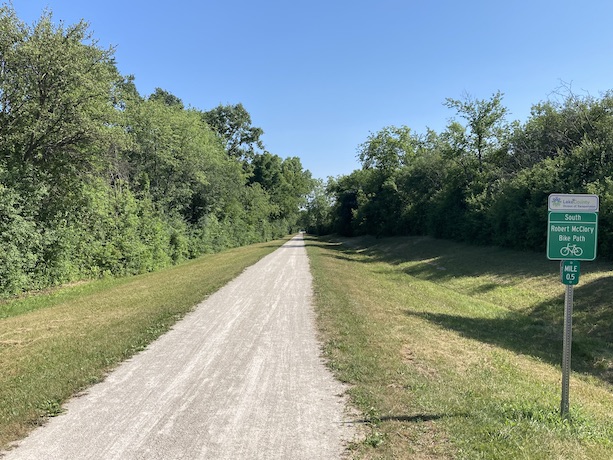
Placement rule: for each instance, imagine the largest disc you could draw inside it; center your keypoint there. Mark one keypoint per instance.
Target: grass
(54, 344)
(454, 351)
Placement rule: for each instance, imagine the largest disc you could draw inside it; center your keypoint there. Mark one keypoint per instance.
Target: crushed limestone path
(241, 377)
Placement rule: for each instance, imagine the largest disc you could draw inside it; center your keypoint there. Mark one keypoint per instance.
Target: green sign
(572, 230)
(569, 271)
(572, 235)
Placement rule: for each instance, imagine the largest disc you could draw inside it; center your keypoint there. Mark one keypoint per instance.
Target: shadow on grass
(443, 259)
(418, 418)
(536, 330)
(530, 336)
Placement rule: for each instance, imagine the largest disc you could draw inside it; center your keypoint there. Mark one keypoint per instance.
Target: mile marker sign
(570, 271)
(572, 227)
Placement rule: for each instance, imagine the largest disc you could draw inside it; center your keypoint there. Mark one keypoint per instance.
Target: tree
(486, 123)
(317, 218)
(347, 192)
(285, 181)
(174, 157)
(557, 127)
(167, 98)
(54, 100)
(267, 171)
(97, 180)
(233, 124)
(387, 149)
(297, 184)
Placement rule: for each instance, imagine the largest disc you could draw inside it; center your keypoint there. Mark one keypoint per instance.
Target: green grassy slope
(454, 351)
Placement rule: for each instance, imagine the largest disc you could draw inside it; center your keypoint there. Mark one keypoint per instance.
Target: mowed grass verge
(454, 351)
(53, 345)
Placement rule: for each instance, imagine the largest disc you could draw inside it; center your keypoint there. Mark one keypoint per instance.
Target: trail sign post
(572, 235)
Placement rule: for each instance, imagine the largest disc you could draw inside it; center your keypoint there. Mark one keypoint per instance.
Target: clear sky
(319, 76)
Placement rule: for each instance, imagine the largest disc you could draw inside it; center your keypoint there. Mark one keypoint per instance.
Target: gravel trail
(241, 377)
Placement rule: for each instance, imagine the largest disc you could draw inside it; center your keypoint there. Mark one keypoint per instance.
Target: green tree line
(96, 179)
(482, 180)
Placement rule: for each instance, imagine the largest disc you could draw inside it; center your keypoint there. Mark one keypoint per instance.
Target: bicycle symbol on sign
(571, 249)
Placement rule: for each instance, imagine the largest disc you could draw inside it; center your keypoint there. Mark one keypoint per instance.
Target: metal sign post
(569, 276)
(572, 231)
(568, 340)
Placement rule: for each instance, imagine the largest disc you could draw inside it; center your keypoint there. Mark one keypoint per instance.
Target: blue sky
(319, 76)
